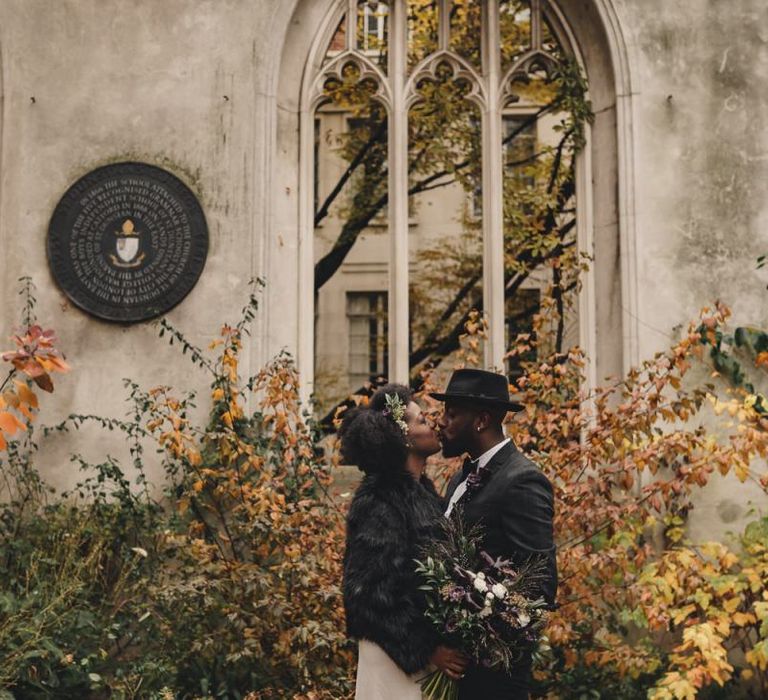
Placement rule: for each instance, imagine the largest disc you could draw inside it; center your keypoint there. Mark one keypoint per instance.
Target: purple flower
(476, 479)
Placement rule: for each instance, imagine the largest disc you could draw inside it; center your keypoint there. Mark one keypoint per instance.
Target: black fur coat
(389, 519)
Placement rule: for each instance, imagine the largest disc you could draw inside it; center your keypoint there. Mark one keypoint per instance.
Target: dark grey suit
(515, 506)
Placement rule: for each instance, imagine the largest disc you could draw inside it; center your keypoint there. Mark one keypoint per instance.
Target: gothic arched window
(440, 189)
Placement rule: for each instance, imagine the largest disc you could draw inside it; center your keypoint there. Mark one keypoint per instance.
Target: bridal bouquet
(481, 606)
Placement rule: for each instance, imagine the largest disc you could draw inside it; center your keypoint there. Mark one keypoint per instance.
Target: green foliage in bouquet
(490, 609)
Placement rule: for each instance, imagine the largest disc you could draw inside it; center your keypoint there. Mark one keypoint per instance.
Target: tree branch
(322, 212)
(327, 266)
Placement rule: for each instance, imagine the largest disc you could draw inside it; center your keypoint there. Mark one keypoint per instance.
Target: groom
(504, 491)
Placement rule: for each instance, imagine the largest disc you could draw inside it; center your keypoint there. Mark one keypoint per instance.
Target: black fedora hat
(478, 386)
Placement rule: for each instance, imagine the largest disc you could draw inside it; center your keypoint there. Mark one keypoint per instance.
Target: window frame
(377, 314)
(395, 91)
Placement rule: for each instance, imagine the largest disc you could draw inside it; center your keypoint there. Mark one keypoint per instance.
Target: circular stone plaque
(127, 242)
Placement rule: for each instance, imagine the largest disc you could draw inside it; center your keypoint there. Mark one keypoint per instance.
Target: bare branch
(376, 137)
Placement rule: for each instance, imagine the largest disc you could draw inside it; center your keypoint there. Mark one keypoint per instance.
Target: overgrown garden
(225, 583)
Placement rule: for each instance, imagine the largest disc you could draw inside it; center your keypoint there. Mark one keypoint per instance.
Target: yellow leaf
(197, 486)
(758, 655)
(58, 364)
(703, 599)
(683, 613)
(722, 625)
(741, 619)
(26, 394)
(742, 470)
(673, 685)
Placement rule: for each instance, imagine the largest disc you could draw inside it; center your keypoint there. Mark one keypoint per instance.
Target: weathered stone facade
(210, 90)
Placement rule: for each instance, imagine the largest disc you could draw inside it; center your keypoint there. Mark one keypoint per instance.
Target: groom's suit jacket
(515, 506)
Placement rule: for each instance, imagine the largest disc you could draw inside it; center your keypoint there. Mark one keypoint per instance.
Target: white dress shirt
(479, 463)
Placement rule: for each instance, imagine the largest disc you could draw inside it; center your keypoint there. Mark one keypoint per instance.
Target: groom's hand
(450, 661)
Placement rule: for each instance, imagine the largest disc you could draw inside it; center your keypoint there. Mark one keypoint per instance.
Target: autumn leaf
(44, 382)
(9, 424)
(26, 394)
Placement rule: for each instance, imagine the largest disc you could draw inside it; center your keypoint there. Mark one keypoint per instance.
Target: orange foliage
(636, 599)
(625, 462)
(260, 542)
(260, 525)
(36, 357)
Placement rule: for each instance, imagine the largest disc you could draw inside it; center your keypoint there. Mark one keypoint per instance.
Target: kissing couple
(396, 511)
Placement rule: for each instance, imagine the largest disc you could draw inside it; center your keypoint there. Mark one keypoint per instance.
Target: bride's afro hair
(370, 438)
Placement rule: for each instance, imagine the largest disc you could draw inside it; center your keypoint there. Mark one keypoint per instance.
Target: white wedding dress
(380, 678)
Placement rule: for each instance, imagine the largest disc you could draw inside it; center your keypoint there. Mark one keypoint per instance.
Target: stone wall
(196, 87)
(701, 70)
(174, 83)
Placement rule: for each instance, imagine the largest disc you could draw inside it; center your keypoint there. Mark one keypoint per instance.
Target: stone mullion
(398, 196)
(305, 353)
(351, 31)
(493, 191)
(536, 25)
(443, 25)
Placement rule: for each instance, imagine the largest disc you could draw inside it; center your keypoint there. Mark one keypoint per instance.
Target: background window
(520, 149)
(374, 29)
(367, 322)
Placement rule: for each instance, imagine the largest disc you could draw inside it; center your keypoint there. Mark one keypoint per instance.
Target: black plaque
(127, 242)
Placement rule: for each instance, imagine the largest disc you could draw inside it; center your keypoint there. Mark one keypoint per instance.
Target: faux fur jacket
(389, 519)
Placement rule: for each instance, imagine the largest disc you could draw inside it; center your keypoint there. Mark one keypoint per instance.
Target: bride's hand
(450, 661)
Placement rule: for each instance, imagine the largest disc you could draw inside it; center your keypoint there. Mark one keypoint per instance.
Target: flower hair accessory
(396, 409)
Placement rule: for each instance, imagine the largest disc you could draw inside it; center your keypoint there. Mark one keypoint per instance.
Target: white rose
(499, 591)
(523, 618)
(481, 575)
(480, 585)
(485, 612)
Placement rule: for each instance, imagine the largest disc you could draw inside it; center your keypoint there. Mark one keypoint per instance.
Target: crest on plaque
(127, 247)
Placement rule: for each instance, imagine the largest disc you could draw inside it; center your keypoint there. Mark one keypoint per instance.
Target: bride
(394, 511)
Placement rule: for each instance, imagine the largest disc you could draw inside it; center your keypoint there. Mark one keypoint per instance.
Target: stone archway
(607, 177)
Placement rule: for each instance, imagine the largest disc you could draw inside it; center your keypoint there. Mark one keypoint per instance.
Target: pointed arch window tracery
(518, 40)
